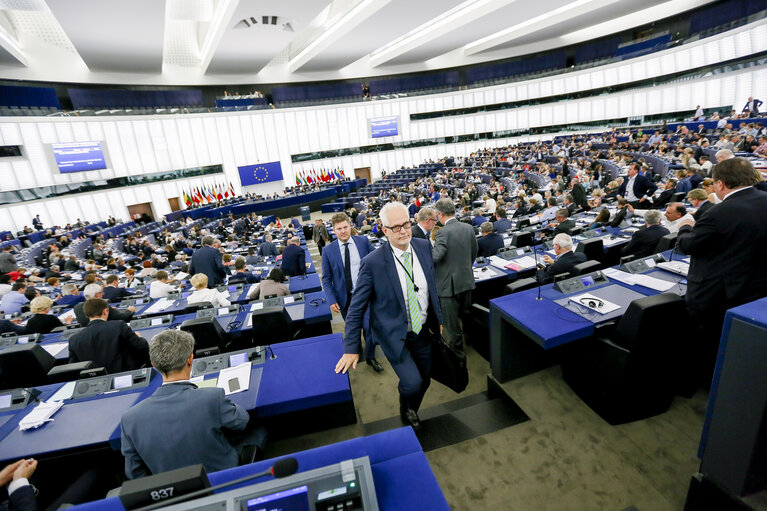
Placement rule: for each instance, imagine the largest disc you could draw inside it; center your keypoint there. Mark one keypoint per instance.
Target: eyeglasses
(397, 228)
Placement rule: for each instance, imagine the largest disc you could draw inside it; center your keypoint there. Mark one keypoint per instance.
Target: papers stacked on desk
(498, 262)
(521, 263)
(234, 379)
(181, 276)
(159, 305)
(54, 348)
(639, 279)
(678, 267)
(483, 273)
(40, 415)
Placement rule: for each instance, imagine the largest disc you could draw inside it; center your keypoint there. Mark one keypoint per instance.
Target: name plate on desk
(643, 265)
(14, 399)
(11, 339)
(150, 322)
(581, 282)
(129, 380)
(216, 363)
(213, 312)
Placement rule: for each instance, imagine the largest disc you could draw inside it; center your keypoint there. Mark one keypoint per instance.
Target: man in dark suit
(241, 274)
(267, 248)
(490, 242)
(644, 241)
(207, 260)
(293, 258)
(502, 224)
(478, 219)
(579, 195)
(109, 344)
(563, 224)
(112, 293)
(455, 249)
(427, 219)
(662, 200)
(398, 286)
(699, 199)
(204, 436)
(726, 249)
(340, 269)
(566, 259)
(96, 291)
(752, 107)
(637, 189)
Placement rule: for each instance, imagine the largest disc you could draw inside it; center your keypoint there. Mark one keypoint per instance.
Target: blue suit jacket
(379, 291)
(333, 281)
(293, 260)
(207, 260)
(151, 445)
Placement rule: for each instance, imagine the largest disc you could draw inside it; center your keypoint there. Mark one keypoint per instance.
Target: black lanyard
(409, 275)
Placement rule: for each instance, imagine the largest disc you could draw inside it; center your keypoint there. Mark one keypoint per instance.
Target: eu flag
(260, 173)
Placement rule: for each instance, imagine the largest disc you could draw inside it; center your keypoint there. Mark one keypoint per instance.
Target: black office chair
(520, 285)
(194, 307)
(207, 333)
(592, 248)
(667, 242)
(632, 375)
(525, 222)
(522, 239)
(26, 365)
(585, 267)
(274, 326)
(575, 231)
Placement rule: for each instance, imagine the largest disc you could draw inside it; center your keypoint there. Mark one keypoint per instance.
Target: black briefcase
(448, 366)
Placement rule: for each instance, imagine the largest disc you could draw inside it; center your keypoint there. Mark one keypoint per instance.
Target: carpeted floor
(486, 455)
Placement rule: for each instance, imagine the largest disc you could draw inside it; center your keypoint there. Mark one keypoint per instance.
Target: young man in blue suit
(340, 268)
(150, 445)
(397, 285)
(207, 260)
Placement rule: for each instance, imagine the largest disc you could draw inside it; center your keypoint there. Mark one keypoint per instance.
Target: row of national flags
(206, 194)
(307, 177)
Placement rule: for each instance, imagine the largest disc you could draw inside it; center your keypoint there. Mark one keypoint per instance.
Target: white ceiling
(200, 42)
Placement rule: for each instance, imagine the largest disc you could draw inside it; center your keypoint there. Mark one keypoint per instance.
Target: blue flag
(260, 173)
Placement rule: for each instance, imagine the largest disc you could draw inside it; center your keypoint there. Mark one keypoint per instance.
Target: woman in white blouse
(160, 286)
(203, 294)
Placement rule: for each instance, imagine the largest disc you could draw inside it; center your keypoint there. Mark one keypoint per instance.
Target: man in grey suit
(455, 248)
(7, 261)
(154, 440)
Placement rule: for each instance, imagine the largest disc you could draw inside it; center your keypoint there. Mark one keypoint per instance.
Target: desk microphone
(34, 394)
(537, 272)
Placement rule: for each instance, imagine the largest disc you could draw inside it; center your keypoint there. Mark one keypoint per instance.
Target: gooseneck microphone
(282, 468)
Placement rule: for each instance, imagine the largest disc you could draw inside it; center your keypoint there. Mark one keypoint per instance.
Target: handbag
(448, 365)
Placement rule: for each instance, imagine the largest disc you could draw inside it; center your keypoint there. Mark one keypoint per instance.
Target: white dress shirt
(630, 190)
(158, 289)
(420, 281)
(354, 259)
(209, 295)
(674, 226)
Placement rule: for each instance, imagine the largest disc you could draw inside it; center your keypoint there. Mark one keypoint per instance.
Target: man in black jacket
(564, 225)
(112, 292)
(566, 259)
(109, 344)
(579, 195)
(95, 291)
(644, 241)
(638, 189)
(21, 495)
(207, 260)
(490, 242)
(293, 258)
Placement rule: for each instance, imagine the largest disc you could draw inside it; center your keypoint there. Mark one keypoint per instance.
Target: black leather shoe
(375, 365)
(410, 417)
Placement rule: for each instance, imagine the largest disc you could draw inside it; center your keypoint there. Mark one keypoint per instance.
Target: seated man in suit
(109, 344)
(566, 258)
(293, 258)
(644, 241)
(241, 274)
(478, 219)
(676, 212)
(267, 248)
(112, 293)
(95, 291)
(151, 447)
(502, 224)
(427, 219)
(562, 224)
(662, 200)
(490, 242)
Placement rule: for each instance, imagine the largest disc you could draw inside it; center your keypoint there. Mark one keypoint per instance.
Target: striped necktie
(414, 308)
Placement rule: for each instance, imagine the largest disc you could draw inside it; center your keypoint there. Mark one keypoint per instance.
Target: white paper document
(288, 299)
(65, 392)
(498, 262)
(235, 379)
(595, 303)
(40, 415)
(523, 262)
(68, 314)
(479, 274)
(54, 348)
(620, 276)
(225, 294)
(251, 289)
(181, 275)
(677, 267)
(653, 283)
(256, 306)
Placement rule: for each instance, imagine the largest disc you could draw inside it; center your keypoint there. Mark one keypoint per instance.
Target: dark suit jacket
(23, 499)
(379, 292)
(418, 232)
(702, 210)
(563, 264)
(663, 199)
(293, 260)
(478, 220)
(267, 249)
(644, 241)
(642, 186)
(727, 248)
(114, 314)
(150, 446)
(455, 249)
(489, 245)
(109, 344)
(246, 277)
(579, 196)
(333, 280)
(7, 326)
(207, 260)
(115, 294)
(566, 226)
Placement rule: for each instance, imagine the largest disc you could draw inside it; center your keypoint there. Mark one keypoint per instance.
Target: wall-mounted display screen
(79, 156)
(384, 127)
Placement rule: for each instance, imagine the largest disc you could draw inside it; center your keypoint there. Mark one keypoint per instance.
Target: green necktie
(412, 297)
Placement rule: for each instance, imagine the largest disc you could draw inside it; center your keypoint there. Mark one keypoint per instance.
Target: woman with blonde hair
(199, 282)
(42, 322)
